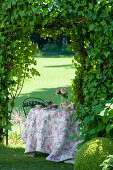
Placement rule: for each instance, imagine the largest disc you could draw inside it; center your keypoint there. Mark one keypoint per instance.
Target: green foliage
(90, 26)
(15, 138)
(106, 120)
(51, 48)
(21, 66)
(54, 48)
(95, 81)
(108, 163)
(93, 153)
(17, 65)
(15, 56)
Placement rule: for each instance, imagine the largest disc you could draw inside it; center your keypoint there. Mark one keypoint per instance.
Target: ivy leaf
(45, 22)
(92, 117)
(103, 22)
(87, 119)
(91, 27)
(73, 136)
(95, 102)
(108, 128)
(105, 119)
(1, 51)
(103, 112)
(21, 13)
(111, 106)
(90, 6)
(92, 131)
(1, 58)
(103, 95)
(2, 38)
(98, 108)
(110, 114)
(81, 137)
(80, 145)
(101, 126)
(1, 115)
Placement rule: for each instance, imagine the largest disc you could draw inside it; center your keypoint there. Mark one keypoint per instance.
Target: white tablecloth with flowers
(48, 131)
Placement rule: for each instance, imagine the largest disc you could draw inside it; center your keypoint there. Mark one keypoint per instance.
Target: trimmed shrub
(93, 153)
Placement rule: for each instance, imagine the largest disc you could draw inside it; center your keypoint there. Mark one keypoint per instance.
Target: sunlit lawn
(56, 72)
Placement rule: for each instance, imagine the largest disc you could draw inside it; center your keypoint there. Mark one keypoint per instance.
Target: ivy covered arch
(90, 26)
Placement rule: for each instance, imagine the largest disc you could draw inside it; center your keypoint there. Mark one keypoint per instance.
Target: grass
(56, 72)
(13, 158)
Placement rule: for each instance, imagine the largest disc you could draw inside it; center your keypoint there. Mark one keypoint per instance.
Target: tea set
(63, 105)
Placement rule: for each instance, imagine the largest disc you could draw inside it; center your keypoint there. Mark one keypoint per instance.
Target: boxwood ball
(93, 153)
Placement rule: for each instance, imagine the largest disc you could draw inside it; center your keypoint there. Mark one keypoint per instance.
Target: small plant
(108, 163)
(17, 119)
(14, 137)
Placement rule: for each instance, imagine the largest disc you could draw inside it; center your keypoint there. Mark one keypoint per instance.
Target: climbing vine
(90, 26)
(98, 72)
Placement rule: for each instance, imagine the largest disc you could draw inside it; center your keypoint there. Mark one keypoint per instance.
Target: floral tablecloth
(48, 131)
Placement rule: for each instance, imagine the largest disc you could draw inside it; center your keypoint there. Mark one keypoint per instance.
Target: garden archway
(90, 26)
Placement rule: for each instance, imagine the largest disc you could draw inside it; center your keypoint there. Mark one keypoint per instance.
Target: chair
(31, 102)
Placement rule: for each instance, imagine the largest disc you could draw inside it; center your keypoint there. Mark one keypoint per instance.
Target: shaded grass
(13, 158)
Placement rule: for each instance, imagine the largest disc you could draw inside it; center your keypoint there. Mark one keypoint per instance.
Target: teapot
(64, 105)
(67, 106)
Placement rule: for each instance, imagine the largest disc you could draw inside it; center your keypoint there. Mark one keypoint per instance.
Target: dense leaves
(15, 58)
(97, 77)
(90, 27)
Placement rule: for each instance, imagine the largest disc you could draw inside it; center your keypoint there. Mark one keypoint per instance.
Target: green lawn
(56, 72)
(13, 158)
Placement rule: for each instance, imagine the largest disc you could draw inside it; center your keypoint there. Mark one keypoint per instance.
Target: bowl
(39, 106)
(55, 106)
